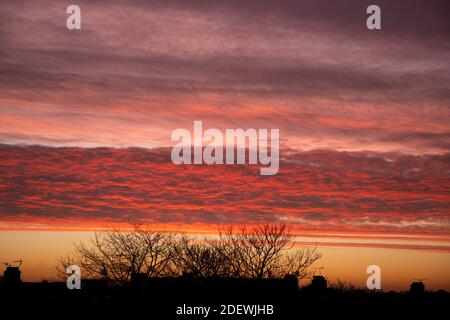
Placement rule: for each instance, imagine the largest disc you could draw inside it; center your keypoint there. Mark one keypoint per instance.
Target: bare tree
(200, 258)
(265, 251)
(115, 255)
(297, 263)
(262, 251)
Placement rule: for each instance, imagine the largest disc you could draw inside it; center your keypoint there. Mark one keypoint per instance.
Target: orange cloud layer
(324, 191)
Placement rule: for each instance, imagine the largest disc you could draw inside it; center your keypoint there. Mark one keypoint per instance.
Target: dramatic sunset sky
(364, 118)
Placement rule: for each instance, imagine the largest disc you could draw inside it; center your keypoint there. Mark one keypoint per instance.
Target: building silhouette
(11, 275)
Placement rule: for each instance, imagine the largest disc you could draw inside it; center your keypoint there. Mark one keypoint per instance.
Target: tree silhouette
(116, 255)
(200, 258)
(261, 251)
(265, 251)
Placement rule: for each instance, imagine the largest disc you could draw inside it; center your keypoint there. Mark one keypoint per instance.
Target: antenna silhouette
(7, 264)
(19, 261)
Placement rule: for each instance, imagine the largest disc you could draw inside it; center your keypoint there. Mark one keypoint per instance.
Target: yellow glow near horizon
(40, 251)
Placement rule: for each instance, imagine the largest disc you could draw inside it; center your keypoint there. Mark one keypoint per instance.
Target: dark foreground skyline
(363, 118)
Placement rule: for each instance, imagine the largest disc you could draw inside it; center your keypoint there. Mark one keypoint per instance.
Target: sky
(86, 117)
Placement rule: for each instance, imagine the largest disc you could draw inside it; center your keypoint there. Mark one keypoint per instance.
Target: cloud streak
(317, 190)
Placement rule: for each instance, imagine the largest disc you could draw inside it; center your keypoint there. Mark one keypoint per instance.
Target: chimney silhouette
(11, 275)
(319, 282)
(417, 287)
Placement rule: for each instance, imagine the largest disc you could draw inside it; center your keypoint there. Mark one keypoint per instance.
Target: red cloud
(317, 190)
